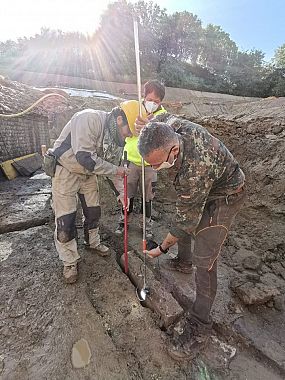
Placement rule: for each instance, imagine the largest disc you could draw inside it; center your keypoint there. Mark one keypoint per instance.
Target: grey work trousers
(134, 180)
(67, 188)
(209, 237)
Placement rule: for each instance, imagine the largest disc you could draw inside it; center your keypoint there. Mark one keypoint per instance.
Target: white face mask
(165, 165)
(150, 106)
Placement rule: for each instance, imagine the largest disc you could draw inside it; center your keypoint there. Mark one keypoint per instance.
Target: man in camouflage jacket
(210, 191)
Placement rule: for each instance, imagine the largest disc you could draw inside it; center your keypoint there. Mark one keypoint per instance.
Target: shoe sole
(103, 254)
(100, 253)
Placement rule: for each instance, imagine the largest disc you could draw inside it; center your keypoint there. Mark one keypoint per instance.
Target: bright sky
(251, 23)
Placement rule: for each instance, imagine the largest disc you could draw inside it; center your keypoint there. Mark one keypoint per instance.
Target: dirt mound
(16, 97)
(259, 146)
(263, 109)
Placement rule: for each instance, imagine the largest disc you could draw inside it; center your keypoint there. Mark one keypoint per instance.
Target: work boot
(177, 264)
(100, 249)
(188, 340)
(70, 273)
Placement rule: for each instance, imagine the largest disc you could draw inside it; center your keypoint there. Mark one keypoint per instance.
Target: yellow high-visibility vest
(131, 145)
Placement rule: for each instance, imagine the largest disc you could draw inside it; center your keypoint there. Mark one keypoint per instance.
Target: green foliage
(275, 81)
(173, 47)
(218, 51)
(180, 74)
(279, 56)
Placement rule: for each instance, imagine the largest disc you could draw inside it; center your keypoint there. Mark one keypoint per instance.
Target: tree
(246, 74)
(218, 51)
(180, 37)
(279, 56)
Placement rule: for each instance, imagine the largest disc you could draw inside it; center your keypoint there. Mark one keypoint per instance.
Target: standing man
(154, 93)
(90, 144)
(210, 191)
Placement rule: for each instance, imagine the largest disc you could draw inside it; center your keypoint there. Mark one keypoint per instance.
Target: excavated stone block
(158, 299)
(257, 294)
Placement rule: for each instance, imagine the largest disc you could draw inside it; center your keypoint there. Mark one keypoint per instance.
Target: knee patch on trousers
(66, 230)
(92, 214)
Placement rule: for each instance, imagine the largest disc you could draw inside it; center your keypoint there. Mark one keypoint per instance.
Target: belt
(226, 196)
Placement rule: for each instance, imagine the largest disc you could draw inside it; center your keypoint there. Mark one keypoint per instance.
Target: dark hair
(156, 87)
(117, 111)
(155, 136)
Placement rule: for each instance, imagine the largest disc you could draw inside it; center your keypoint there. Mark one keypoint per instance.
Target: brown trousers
(209, 237)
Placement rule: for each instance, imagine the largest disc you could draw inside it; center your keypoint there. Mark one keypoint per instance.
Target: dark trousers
(209, 237)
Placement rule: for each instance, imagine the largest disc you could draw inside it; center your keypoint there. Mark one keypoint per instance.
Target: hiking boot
(120, 229)
(70, 273)
(189, 342)
(101, 250)
(177, 265)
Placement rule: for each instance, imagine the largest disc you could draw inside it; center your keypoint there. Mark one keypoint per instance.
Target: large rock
(158, 299)
(252, 262)
(244, 258)
(255, 294)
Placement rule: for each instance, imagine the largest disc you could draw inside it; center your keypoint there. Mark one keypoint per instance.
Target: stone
(158, 299)
(279, 302)
(251, 129)
(253, 277)
(269, 257)
(271, 137)
(81, 354)
(238, 258)
(270, 279)
(278, 269)
(237, 281)
(234, 308)
(265, 269)
(251, 262)
(277, 129)
(256, 294)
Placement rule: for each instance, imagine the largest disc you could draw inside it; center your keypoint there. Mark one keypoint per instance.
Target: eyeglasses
(169, 154)
(157, 165)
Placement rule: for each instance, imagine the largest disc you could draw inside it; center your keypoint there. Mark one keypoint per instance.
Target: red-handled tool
(125, 163)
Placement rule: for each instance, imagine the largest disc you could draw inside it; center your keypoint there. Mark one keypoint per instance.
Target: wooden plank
(8, 169)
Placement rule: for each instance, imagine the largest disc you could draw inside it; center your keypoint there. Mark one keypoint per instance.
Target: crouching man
(90, 144)
(210, 191)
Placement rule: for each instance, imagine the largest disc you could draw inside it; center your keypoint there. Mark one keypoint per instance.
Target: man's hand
(141, 122)
(121, 171)
(153, 252)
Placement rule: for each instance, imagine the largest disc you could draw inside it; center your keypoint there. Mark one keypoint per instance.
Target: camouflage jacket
(207, 171)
